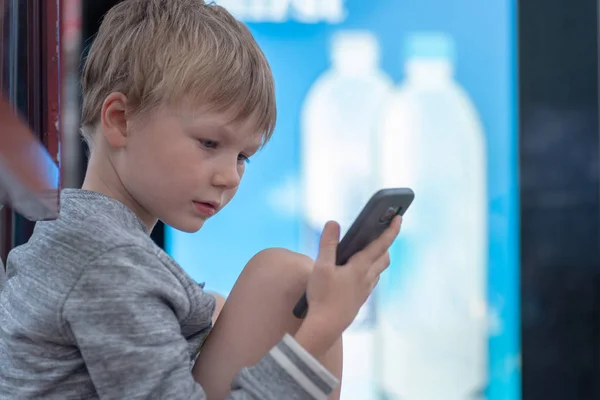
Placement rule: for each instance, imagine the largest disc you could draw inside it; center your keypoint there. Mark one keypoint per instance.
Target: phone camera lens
(389, 214)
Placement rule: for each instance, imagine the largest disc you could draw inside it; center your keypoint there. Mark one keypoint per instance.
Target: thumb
(329, 243)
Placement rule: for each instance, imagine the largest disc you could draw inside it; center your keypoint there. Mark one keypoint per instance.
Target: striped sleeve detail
(317, 381)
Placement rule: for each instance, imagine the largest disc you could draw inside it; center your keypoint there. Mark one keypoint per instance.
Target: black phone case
(367, 227)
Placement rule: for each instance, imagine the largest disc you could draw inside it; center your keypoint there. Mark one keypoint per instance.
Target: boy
(176, 97)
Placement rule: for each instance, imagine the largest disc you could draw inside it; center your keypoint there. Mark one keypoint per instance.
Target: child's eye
(209, 144)
(242, 158)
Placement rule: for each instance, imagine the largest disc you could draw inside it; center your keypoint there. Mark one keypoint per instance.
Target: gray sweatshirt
(92, 308)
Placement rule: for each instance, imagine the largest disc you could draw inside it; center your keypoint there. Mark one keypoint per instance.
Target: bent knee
(281, 267)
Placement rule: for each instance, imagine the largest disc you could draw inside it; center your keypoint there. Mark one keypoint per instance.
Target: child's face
(182, 167)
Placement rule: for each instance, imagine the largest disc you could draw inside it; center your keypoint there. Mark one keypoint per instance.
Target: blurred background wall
(560, 256)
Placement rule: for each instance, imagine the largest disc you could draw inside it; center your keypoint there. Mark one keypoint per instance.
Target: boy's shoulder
(95, 240)
(89, 226)
(92, 228)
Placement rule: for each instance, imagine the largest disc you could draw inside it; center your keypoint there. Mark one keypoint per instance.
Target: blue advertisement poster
(392, 93)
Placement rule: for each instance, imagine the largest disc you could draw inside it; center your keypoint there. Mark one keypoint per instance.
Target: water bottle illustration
(432, 300)
(338, 130)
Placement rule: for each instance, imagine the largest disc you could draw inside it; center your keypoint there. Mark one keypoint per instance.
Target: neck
(102, 177)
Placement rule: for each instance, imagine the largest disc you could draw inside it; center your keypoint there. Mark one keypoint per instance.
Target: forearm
(317, 336)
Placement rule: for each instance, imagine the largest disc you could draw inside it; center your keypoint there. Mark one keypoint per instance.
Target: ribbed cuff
(304, 368)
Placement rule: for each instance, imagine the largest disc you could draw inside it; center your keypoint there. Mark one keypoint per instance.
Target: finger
(380, 265)
(330, 239)
(381, 245)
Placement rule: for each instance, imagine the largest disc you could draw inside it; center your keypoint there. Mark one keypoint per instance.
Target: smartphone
(372, 221)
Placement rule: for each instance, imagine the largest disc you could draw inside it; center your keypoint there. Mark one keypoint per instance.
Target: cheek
(159, 170)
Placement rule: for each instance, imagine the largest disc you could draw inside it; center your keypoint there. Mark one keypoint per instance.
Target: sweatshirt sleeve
(123, 313)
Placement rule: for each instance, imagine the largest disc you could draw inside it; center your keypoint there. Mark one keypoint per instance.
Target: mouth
(206, 208)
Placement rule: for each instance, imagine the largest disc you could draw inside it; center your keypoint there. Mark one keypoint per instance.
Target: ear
(113, 119)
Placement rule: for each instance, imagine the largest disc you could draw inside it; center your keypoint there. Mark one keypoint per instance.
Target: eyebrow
(228, 134)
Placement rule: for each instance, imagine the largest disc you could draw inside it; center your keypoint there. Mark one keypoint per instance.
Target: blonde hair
(169, 51)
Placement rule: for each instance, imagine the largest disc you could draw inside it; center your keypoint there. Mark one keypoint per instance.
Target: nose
(227, 175)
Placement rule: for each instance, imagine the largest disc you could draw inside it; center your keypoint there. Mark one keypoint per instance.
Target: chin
(190, 225)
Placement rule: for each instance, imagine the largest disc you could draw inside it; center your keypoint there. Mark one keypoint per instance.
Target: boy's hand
(335, 294)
